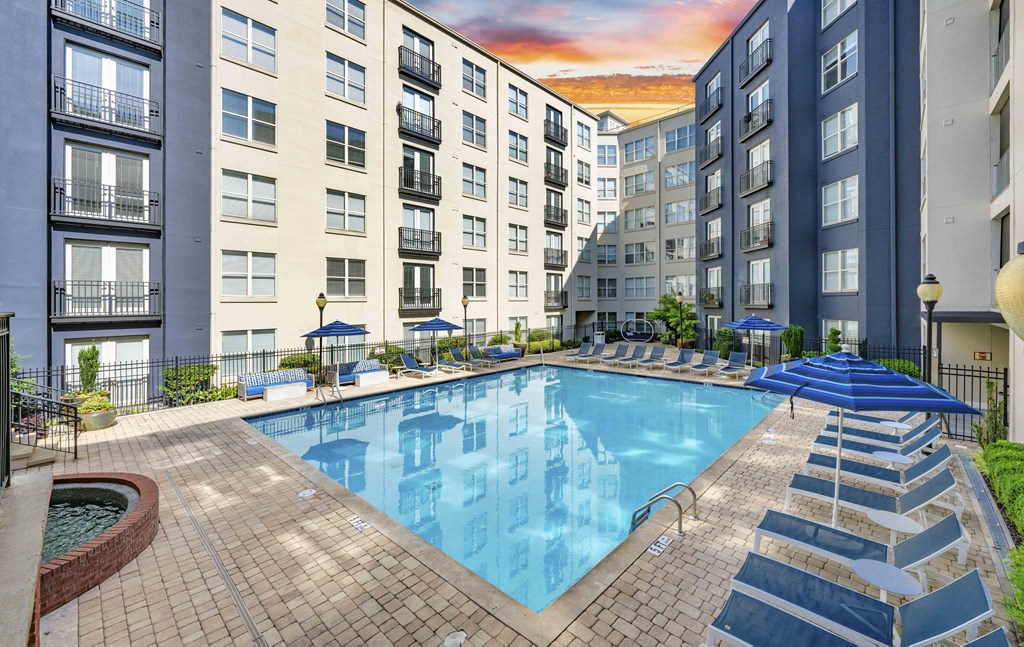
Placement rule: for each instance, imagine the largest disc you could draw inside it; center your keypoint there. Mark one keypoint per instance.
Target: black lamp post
(321, 303)
(929, 291)
(465, 320)
(679, 299)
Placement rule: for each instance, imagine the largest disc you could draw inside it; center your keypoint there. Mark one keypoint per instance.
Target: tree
(834, 344)
(793, 338)
(88, 367)
(667, 312)
(992, 426)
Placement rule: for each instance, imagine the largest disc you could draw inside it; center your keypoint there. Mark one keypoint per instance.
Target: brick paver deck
(240, 559)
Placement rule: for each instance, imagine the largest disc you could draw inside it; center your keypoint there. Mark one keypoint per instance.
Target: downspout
(384, 175)
(892, 174)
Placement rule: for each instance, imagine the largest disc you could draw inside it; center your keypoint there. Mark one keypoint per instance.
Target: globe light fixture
(1010, 294)
(929, 291)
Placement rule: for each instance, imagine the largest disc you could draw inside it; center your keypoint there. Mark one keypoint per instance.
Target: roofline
(739, 25)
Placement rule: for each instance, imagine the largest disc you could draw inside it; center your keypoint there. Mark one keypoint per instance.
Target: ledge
(23, 510)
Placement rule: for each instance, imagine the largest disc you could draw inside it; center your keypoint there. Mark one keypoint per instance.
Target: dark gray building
(105, 177)
(808, 175)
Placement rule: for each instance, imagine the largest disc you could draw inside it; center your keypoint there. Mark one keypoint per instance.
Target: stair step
(26, 456)
(20, 451)
(42, 456)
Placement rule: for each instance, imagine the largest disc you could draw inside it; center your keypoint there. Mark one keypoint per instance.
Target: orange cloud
(518, 44)
(622, 89)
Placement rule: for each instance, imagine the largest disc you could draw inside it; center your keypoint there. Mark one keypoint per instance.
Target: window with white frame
(474, 231)
(680, 249)
(684, 284)
(680, 212)
(758, 38)
(713, 181)
(517, 146)
(516, 192)
(640, 287)
(680, 138)
(346, 79)
(474, 282)
(832, 9)
(348, 16)
(517, 101)
(607, 187)
(583, 249)
(517, 238)
(847, 329)
(248, 118)
(582, 286)
(583, 135)
(839, 132)
(243, 349)
(474, 181)
(607, 155)
(759, 213)
(639, 184)
(607, 288)
(583, 172)
(583, 211)
(474, 129)
(474, 78)
(607, 320)
(839, 63)
(641, 218)
(517, 285)
(839, 201)
(839, 270)
(346, 277)
(248, 274)
(522, 321)
(680, 175)
(637, 253)
(346, 211)
(713, 321)
(607, 254)
(247, 40)
(248, 196)
(475, 329)
(346, 145)
(640, 149)
(713, 85)
(606, 221)
(713, 277)
(759, 95)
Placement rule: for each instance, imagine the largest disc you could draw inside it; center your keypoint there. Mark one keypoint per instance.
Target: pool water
(529, 477)
(71, 524)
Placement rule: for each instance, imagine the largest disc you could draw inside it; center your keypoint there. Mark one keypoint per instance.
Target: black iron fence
(970, 384)
(5, 400)
(45, 418)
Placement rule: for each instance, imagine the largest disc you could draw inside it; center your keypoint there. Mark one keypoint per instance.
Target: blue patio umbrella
(753, 323)
(335, 329)
(849, 382)
(433, 326)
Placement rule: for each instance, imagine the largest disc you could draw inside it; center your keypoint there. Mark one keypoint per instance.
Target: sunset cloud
(621, 89)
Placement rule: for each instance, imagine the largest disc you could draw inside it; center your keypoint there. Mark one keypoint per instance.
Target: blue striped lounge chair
(479, 356)
(883, 476)
(459, 357)
(657, 358)
(737, 365)
(995, 638)
(708, 363)
(683, 360)
(638, 354)
(882, 438)
(871, 420)
(860, 449)
(412, 367)
(595, 353)
(745, 620)
(583, 351)
(620, 352)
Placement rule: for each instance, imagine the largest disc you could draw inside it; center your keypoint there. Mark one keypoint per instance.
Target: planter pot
(688, 343)
(521, 345)
(97, 420)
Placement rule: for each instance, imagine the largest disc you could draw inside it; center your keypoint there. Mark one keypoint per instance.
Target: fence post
(177, 379)
(1006, 396)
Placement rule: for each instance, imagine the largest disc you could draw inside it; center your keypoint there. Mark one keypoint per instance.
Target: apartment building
(366, 151)
(808, 175)
(972, 180)
(105, 179)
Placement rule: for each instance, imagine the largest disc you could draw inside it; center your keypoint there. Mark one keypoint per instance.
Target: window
(474, 282)
(606, 254)
(607, 187)
(713, 277)
(346, 211)
(474, 79)
(713, 229)
(248, 196)
(248, 274)
(517, 238)
(839, 63)
(839, 201)
(348, 15)
(637, 253)
(474, 130)
(760, 94)
(680, 249)
(679, 212)
(249, 118)
(607, 289)
(583, 172)
(346, 277)
(680, 138)
(847, 329)
(606, 221)
(583, 249)
(583, 210)
(713, 181)
(639, 218)
(517, 101)
(517, 285)
(607, 320)
(680, 175)
(839, 132)
(639, 184)
(516, 192)
(474, 181)
(759, 213)
(475, 329)
(758, 38)
(512, 321)
(346, 79)
(685, 284)
(713, 85)
(583, 135)
(240, 343)
(517, 146)
(641, 287)
(839, 271)
(607, 155)
(248, 40)
(346, 145)
(640, 149)
(831, 9)
(474, 231)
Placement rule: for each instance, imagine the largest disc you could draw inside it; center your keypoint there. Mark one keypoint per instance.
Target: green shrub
(612, 336)
(1015, 603)
(834, 341)
(549, 346)
(793, 338)
(88, 367)
(904, 366)
(539, 335)
(725, 340)
(183, 384)
(94, 404)
(813, 353)
(446, 344)
(586, 339)
(570, 344)
(308, 361)
(390, 356)
(519, 331)
(499, 339)
(1003, 463)
(992, 426)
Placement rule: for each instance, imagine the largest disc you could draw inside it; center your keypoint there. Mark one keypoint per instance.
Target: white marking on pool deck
(305, 494)
(358, 523)
(659, 546)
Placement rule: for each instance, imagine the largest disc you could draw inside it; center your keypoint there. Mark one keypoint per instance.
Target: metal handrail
(104, 202)
(44, 422)
(125, 17)
(643, 513)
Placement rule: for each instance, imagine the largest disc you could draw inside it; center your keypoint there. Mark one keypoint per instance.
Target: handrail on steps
(642, 513)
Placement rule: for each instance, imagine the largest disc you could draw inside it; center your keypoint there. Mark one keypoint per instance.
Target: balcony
(555, 216)
(709, 201)
(711, 297)
(1001, 174)
(98, 301)
(123, 21)
(419, 67)
(419, 242)
(556, 174)
(757, 61)
(419, 184)
(710, 248)
(556, 299)
(556, 257)
(1000, 57)
(756, 179)
(710, 152)
(709, 105)
(757, 295)
(418, 125)
(104, 205)
(756, 237)
(555, 133)
(418, 301)
(755, 120)
(90, 106)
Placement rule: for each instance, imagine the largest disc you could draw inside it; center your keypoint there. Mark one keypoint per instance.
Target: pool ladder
(643, 513)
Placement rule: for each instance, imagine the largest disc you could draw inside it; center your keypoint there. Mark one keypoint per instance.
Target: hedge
(549, 346)
(904, 366)
(1003, 463)
(308, 361)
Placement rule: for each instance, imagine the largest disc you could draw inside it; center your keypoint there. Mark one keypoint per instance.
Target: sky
(636, 57)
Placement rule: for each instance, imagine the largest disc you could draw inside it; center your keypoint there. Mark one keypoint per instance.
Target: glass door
(418, 286)
(418, 44)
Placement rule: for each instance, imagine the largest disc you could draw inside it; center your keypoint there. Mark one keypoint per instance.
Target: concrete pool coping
(544, 627)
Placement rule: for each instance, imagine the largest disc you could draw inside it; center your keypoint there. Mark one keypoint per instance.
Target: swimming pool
(528, 477)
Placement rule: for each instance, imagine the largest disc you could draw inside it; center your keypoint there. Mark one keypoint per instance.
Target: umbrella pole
(839, 460)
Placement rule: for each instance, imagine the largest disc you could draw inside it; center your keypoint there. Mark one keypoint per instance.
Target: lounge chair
(737, 365)
(657, 357)
(583, 350)
(451, 367)
(620, 352)
(959, 606)
(595, 353)
(882, 438)
(708, 363)
(683, 360)
(931, 492)
(410, 365)
(748, 621)
(867, 450)
(479, 356)
(884, 476)
(638, 354)
(871, 420)
(459, 357)
(995, 638)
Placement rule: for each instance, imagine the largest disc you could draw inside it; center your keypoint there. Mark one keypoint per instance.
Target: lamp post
(679, 300)
(929, 291)
(465, 320)
(321, 303)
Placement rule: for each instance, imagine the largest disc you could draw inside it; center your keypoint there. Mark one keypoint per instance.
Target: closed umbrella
(433, 326)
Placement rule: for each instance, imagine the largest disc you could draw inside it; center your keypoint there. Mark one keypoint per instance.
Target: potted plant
(97, 412)
(517, 335)
(88, 371)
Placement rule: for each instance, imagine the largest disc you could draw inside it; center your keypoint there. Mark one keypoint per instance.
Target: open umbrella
(753, 323)
(433, 326)
(849, 382)
(335, 329)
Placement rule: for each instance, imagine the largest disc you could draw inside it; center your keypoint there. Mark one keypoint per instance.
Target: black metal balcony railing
(757, 295)
(710, 248)
(419, 66)
(556, 174)
(756, 178)
(709, 105)
(757, 61)
(756, 237)
(555, 216)
(1001, 174)
(419, 241)
(419, 299)
(419, 125)
(556, 299)
(755, 120)
(556, 257)
(419, 183)
(709, 201)
(1000, 57)
(105, 299)
(710, 152)
(121, 16)
(711, 297)
(72, 198)
(555, 132)
(105, 106)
